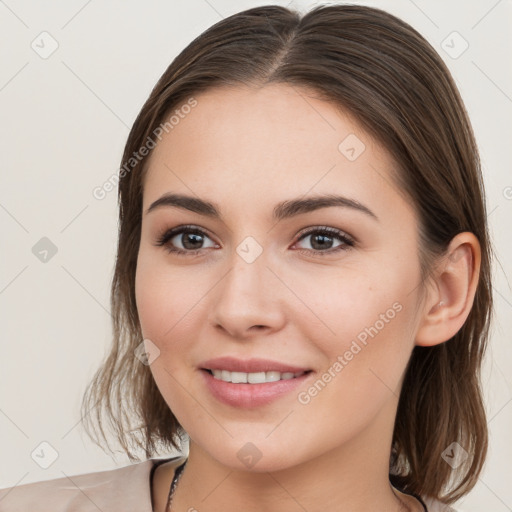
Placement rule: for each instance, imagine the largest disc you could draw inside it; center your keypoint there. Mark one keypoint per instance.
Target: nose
(248, 300)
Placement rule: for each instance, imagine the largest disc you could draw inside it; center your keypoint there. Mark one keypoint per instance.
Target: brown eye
(322, 240)
(190, 238)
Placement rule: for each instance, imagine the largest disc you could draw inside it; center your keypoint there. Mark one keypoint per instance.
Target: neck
(353, 477)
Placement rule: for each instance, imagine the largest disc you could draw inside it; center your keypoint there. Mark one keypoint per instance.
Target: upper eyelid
(331, 230)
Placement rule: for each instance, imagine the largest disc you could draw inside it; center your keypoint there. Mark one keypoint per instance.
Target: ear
(450, 300)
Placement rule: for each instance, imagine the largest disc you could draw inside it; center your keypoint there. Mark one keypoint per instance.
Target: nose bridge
(247, 295)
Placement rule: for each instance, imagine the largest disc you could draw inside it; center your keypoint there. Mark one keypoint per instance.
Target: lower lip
(248, 396)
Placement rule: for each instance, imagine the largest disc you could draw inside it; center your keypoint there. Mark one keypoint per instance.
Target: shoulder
(437, 506)
(123, 488)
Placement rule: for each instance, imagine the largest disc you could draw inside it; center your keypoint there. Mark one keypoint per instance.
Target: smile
(253, 378)
(252, 390)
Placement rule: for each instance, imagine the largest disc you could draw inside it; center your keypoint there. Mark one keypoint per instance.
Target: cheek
(346, 303)
(365, 318)
(161, 296)
(364, 360)
(172, 303)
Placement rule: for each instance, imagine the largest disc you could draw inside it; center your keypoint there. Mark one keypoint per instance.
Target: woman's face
(262, 281)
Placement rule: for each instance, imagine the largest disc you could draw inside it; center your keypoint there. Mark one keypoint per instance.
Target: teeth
(253, 378)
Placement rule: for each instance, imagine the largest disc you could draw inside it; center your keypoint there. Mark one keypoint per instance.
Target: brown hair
(376, 67)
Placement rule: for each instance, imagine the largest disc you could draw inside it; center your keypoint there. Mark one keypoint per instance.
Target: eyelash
(348, 242)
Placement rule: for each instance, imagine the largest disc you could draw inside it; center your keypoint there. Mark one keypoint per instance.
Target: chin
(255, 457)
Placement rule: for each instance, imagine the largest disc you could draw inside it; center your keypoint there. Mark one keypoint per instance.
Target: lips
(250, 383)
(250, 396)
(233, 364)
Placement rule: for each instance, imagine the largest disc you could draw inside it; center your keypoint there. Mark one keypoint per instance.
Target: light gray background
(64, 122)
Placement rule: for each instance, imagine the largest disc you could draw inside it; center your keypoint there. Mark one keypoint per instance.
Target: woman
(302, 286)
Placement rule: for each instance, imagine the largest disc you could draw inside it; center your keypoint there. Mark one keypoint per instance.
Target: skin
(333, 452)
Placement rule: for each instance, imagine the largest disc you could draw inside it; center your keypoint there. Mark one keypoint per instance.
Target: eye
(191, 239)
(322, 240)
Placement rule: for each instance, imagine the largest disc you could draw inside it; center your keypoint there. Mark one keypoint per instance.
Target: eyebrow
(283, 210)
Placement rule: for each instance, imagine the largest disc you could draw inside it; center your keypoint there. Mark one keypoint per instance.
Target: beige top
(122, 489)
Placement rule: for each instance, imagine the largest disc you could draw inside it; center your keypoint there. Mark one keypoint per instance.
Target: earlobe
(455, 282)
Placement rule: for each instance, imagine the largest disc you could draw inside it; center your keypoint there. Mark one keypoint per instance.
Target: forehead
(277, 119)
(249, 145)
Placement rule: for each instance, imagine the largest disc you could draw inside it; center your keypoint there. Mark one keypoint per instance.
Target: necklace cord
(177, 474)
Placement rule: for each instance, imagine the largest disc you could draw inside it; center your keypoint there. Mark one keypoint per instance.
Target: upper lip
(249, 365)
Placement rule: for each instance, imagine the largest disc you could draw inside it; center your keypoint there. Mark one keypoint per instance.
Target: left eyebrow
(283, 210)
(299, 206)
